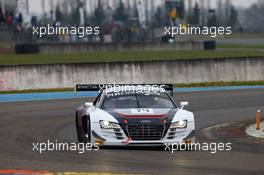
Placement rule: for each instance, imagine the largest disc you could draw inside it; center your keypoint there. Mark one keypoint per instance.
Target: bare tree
(253, 17)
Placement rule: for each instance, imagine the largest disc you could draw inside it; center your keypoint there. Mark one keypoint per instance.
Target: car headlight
(179, 124)
(108, 125)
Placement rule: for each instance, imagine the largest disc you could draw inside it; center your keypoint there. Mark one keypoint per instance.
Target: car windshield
(138, 101)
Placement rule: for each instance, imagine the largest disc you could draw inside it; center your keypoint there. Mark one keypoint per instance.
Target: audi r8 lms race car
(133, 115)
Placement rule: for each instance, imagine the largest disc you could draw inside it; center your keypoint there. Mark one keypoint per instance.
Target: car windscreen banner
(101, 87)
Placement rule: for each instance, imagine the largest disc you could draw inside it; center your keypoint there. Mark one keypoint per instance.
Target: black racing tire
(88, 140)
(81, 135)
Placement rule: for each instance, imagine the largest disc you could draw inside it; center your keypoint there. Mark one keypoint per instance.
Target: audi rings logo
(145, 121)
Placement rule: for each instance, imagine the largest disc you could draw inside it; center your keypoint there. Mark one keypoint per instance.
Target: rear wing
(101, 87)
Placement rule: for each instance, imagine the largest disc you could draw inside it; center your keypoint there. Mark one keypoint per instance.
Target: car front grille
(145, 132)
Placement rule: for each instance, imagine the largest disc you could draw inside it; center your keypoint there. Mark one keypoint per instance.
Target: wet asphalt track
(22, 123)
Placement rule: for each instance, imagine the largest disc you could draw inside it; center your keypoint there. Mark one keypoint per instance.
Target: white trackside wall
(169, 72)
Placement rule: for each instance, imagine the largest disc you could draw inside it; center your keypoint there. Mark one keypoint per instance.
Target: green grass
(12, 59)
(237, 46)
(244, 36)
(37, 91)
(222, 83)
(203, 84)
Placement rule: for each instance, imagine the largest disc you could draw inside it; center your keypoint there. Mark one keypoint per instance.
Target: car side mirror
(88, 104)
(184, 103)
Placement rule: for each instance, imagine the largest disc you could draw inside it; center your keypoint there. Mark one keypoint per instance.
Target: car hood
(143, 115)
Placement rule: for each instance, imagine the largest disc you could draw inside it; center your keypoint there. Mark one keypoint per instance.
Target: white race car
(137, 115)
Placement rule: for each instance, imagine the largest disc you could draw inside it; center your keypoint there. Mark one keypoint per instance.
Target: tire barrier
(209, 45)
(26, 49)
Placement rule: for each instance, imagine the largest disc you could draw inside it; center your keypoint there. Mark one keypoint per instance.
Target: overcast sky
(35, 5)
